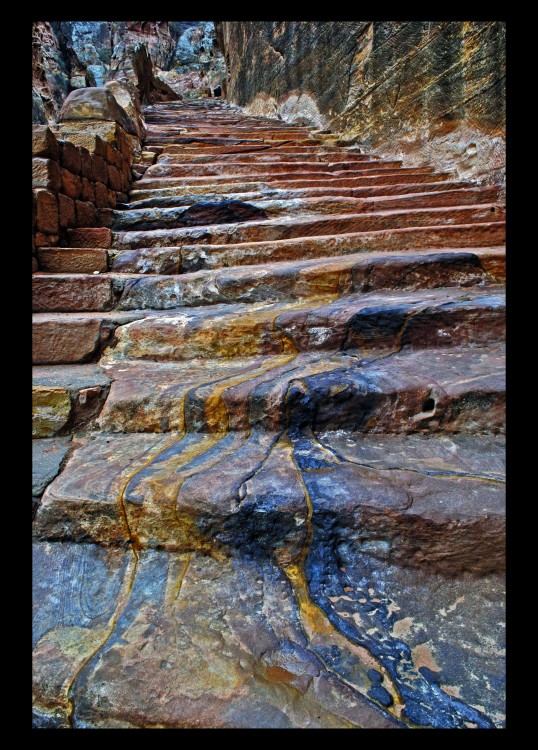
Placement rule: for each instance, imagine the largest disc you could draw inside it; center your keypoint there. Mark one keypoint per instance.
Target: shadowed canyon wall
(419, 91)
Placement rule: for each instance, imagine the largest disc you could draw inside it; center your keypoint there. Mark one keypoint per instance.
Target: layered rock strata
(418, 90)
(269, 442)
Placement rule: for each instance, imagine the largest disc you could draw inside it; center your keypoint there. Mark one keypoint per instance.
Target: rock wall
(417, 90)
(80, 172)
(68, 55)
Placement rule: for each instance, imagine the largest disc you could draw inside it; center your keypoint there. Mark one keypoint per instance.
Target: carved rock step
(263, 173)
(168, 186)
(282, 228)
(427, 318)
(74, 338)
(194, 256)
(166, 198)
(270, 168)
(404, 392)
(280, 281)
(208, 212)
(72, 259)
(200, 149)
(288, 281)
(161, 139)
(66, 399)
(217, 623)
(267, 155)
(244, 490)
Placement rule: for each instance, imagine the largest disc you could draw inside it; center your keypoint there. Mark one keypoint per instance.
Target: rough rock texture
(283, 500)
(174, 58)
(421, 91)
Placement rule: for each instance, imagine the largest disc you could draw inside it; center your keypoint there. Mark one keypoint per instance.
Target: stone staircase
(272, 415)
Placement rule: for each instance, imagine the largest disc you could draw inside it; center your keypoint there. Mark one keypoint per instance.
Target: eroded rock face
(178, 58)
(50, 74)
(417, 90)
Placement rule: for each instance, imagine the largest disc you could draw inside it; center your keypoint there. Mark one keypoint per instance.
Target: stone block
(46, 174)
(66, 207)
(47, 215)
(88, 140)
(51, 408)
(113, 156)
(70, 157)
(90, 237)
(71, 184)
(99, 169)
(44, 143)
(112, 199)
(101, 195)
(55, 341)
(73, 259)
(85, 163)
(95, 103)
(88, 192)
(114, 178)
(85, 215)
(105, 217)
(45, 240)
(72, 293)
(47, 458)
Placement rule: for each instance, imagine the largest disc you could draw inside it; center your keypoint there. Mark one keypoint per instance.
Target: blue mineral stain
(426, 704)
(74, 585)
(378, 693)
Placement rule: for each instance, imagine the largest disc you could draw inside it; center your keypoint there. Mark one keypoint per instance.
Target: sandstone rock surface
(280, 500)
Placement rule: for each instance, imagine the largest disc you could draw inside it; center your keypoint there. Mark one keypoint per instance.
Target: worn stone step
(162, 139)
(279, 281)
(269, 155)
(197, 149)
(292, 674)
(294, 172)
(170, 187)
(449, 511)
(197, 256)
(289, 280)
(72, 259)
(283, 228)
(316, 390)
(425, 317)
(163, 169)
(208, 212)
(66, 398)
(164, 198)
(63, 338)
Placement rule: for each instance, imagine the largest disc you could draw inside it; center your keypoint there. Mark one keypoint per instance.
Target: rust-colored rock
(71, 184)
(66, 207)
(56, 293)
(44, 143)
(101, 195)
(99, 169)
(46, 174)
(85, 214)
(72, 260)
(47, 215)
(70, 157)
(90, 237)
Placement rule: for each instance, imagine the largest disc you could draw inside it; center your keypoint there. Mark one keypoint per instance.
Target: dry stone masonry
(269, 418)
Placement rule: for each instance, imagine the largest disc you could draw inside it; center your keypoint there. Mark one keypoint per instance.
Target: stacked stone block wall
(77, 179)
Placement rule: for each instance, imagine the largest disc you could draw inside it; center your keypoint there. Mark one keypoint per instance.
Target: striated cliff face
(419, 91)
